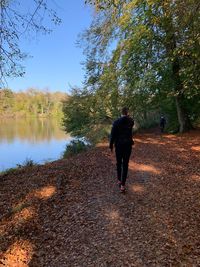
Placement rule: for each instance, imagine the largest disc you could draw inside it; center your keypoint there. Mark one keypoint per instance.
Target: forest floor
(71, 213)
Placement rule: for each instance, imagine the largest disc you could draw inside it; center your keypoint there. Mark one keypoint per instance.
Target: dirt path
(70, 213)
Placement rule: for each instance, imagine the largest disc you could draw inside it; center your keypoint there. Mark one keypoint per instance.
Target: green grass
(26, 163)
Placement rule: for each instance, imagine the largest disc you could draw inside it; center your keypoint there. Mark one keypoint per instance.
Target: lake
(39, 139)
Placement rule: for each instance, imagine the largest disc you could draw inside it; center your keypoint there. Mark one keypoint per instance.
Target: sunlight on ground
(196, 148)
(196, 177)
(137, 188)
(102, 145)
(23, 211)
(137, 140)
(46, 192)
(143, 168)
(181, 149)
(171, 137)
(18, 254)
(114, 221)
(150, 140)
(25, 214)
(113, 215)
(17, 220)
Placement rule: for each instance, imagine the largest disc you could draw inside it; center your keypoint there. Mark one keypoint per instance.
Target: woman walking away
(121, 137)
(162, 123)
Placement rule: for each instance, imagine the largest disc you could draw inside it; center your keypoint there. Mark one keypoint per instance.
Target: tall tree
(158, 50)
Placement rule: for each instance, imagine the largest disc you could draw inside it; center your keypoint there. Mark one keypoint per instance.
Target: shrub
(27, 163)
(75, 147)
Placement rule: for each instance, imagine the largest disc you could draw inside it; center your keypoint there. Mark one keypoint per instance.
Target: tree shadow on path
(77, 217)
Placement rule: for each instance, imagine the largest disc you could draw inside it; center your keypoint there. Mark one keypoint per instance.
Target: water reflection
(38, 139)
(31, 129)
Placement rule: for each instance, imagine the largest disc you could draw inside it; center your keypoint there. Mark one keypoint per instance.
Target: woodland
(31, 103)
(143, 54)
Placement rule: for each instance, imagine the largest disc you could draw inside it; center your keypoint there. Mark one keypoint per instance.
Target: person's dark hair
(124, 111)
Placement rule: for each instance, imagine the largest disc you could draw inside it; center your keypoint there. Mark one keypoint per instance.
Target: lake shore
(75, 203)
(39, 140)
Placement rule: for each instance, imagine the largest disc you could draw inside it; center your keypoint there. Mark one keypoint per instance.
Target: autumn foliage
(70, 212)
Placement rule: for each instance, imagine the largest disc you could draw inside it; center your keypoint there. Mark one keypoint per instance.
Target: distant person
(162, 124)
(121, 136)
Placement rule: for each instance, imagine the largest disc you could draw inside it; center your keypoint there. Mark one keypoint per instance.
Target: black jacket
(121, 133)
(162, 121)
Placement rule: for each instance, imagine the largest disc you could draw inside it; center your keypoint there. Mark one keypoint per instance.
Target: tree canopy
(144, 54)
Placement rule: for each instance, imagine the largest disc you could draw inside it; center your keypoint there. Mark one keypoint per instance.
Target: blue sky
(55, 61)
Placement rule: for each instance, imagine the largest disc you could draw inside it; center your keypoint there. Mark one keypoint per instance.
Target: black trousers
(123, 153)
(162, 128)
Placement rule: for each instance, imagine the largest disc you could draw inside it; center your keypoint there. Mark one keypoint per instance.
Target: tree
(158, 49)
(18, 19)
(32, 103)
(6, 101)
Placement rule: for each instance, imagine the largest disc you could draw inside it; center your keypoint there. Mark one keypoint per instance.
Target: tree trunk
(145, 115)
(171, 45)
(183, 118)
(184, 121)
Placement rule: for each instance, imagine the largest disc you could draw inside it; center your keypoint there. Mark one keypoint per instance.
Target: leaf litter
(70, 212)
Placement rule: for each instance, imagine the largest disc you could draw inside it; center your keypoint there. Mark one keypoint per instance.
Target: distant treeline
(32, 102)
